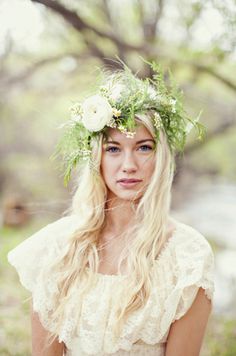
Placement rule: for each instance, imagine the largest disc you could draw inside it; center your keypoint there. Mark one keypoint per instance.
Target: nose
(129, 164)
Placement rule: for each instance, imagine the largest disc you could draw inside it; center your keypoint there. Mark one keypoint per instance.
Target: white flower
(152, 93)
(116, 112)
(97, 113)
(76, 112)
(124, 130)
(130, 134)
(173, 103)
(112, 123)
(115, 91)
(157, 120)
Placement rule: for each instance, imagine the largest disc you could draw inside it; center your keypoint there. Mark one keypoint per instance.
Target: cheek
(149, 166)
(108, 168)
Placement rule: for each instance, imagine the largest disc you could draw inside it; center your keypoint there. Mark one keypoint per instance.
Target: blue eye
(112, 149)
(145, 148)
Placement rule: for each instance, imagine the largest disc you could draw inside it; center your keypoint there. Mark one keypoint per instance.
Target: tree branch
(158, 15)
(149, 27)
(107, 12)
(80, 25)
(28, 72)
(199, 144)
(215, 74)
(207, 69)
(217, 131)
(24, 75)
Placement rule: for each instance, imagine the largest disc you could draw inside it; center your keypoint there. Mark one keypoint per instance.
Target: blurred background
(49, 54)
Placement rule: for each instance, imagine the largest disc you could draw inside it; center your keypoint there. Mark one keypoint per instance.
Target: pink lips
(130, 180)
(125, 182)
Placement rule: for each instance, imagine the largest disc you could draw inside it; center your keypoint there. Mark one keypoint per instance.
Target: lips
(130, 180)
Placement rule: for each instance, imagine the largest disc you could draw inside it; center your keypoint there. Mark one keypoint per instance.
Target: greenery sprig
(121, 98)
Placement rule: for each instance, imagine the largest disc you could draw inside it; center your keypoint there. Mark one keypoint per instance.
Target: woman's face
(128, 163)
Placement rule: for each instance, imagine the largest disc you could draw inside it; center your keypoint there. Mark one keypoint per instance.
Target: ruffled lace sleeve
(31, 259)
(192, 263)
(30, 256)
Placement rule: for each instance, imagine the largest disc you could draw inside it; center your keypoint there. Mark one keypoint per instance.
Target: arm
(39, 336)
(186, 334)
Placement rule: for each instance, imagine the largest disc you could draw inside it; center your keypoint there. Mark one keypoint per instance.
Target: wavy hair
(146, 237)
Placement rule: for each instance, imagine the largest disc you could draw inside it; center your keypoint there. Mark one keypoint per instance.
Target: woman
(118, 275)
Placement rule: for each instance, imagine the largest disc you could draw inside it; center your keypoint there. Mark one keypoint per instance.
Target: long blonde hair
(79, 262)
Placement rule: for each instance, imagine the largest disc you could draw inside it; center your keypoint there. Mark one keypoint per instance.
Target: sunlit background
(49, 55)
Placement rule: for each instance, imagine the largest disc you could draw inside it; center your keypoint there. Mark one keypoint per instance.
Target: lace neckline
(165, 247)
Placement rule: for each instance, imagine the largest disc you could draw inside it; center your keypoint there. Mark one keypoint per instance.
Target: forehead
(141, 133)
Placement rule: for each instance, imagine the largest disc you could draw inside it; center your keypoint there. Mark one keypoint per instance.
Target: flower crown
(118, 102)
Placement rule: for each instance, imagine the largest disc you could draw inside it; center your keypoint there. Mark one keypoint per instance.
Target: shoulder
(34, 260)
(185, 246)
(63, 225)
(53, 230)
(192, 258)
(43, 246)
(187, 239)
(185, 264)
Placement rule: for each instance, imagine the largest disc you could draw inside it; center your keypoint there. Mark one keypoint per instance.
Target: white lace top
(185, 264)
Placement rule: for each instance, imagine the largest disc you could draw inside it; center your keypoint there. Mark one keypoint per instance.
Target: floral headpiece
(122, 98)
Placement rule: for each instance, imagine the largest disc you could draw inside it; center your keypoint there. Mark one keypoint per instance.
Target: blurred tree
(82, 34)
(134, 27)
(109, 28)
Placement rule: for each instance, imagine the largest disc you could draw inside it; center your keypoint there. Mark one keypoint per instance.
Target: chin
(129, 195)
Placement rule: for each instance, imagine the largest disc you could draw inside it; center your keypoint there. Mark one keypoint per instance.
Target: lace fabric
(185, 264)
(137, 350)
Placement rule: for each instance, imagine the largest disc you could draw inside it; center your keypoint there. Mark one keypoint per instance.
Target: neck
(120, 215)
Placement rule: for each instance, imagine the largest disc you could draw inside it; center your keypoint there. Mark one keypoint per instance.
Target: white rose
(97, 113)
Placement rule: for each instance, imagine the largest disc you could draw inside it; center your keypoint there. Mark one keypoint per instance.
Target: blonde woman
(118, 275)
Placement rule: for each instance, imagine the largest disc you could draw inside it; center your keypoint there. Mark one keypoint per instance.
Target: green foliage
(14, 299)
(221, 337)
(71, 148)
(136, 96)
(14, 310)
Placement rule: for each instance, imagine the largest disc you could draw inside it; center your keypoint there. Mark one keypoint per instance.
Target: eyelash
(113, 149)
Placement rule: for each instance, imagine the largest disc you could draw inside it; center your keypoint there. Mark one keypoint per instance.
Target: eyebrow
(138, 142)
